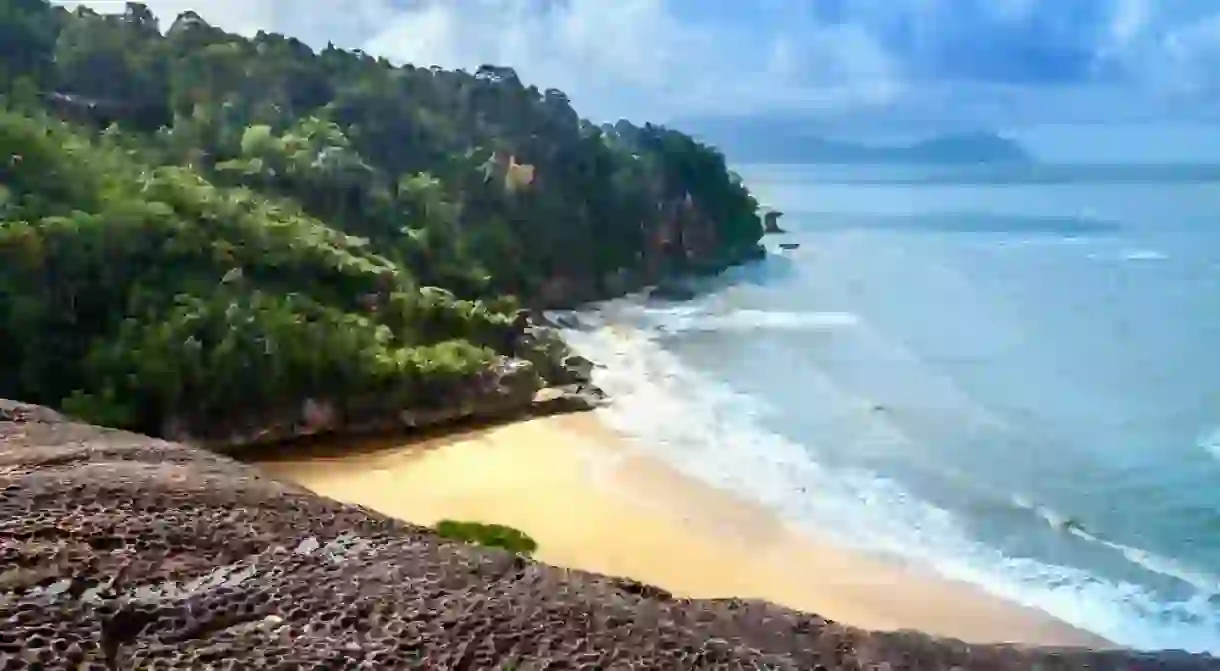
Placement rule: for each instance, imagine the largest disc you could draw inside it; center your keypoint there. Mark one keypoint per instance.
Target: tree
(197, 224)
(28, 29)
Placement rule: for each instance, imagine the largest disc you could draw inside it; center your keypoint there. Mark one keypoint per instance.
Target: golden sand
(593, 502)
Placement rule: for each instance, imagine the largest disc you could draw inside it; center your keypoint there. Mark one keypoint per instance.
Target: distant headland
(763, 141)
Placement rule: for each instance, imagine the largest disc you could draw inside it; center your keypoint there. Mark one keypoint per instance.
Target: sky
(992, 62)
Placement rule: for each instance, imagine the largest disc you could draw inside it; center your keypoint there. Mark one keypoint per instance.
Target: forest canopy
(195, 223)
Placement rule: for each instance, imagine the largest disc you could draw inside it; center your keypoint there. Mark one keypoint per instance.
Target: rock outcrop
(685, 242)
(673, 290)
(120, 552)
(543, 378)
(771, 223)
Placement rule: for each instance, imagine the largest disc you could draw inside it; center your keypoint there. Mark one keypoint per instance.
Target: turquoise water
(1013, 383)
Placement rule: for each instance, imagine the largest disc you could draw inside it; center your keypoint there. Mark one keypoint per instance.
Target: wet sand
(593, 502)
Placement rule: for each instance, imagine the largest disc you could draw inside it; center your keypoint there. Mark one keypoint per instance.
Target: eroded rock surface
(119, 551)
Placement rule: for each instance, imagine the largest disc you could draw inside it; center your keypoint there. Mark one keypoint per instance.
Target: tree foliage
(487, 535)
(193, 222)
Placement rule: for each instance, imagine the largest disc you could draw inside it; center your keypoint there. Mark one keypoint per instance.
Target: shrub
(489, 535)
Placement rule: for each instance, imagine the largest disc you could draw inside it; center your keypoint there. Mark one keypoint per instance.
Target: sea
(1011, 378)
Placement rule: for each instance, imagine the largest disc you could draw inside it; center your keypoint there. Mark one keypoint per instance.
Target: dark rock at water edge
(543, 346)
(673, 290)
(511, 389)
(570, 398)
(754, 254)
(579, 368)
(523, 319)
(125, 552)
(771, 223)
(570, 293)
(562, 320)
(740, 256)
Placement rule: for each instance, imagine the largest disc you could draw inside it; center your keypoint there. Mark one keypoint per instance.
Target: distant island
(973, 147)
(764, 141)
(950, 148)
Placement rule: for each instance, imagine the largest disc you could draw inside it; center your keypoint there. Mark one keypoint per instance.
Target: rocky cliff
(541, 376)
(119, 552)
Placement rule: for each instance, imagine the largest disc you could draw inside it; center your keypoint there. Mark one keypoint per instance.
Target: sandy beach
(592, 501)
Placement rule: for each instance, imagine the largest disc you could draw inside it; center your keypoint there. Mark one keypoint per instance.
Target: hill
(202, 235)
(976, 147)
(788, 140)
(952, 148)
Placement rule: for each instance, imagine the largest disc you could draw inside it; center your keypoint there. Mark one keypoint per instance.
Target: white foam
(752, 320)
(706, 316)
(1042, 241)
(1132, 255)
(1203, 581)
(703, 427)
(1211, 443)
(1206, 583)
(1144, 255)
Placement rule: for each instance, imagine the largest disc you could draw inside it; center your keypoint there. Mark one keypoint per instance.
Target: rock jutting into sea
(541, 378)
(771, 223)
(121, 551)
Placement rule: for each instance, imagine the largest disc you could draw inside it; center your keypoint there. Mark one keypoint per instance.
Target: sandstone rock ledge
(119, 551)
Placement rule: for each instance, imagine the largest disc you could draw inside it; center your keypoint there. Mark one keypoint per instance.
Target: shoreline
(592, 502)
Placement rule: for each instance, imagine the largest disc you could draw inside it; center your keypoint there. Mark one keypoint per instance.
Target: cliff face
(684, 240)
(688, 239)
(120, 551)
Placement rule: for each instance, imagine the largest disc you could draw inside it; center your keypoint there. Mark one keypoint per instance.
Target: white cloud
(1130, 18)
(577, 45)
(612, 56)
(628, 57)
(644, 59)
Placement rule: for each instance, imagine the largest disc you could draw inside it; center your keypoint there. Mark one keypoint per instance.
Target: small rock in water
(771, 222)
(672, 291)
(549, 395)
(579, 367)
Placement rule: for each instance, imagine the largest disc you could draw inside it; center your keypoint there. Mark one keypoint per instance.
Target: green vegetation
(488, 535)
(194, 224)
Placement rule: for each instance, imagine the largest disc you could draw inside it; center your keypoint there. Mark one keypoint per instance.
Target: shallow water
(1012, 383)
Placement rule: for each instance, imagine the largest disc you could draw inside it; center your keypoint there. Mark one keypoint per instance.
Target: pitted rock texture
(123, 552)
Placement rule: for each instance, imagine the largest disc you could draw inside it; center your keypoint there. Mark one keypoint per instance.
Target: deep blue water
(1016, 384)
